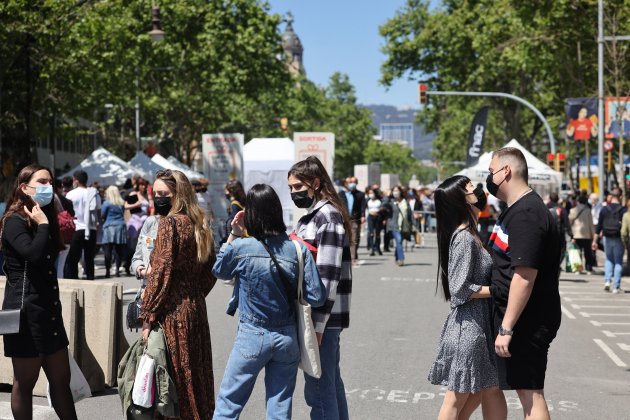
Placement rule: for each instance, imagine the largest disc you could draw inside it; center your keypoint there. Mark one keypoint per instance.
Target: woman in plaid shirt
(323, 229)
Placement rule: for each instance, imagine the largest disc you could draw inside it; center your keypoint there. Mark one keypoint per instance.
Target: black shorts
(529, 349)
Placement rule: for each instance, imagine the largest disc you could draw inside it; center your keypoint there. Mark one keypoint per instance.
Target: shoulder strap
(298, 249)
(287, 286)
(578, 215)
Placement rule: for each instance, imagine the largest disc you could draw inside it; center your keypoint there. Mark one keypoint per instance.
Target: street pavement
(396, 319)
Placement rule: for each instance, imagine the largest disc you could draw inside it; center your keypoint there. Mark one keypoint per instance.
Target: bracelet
(235, 235)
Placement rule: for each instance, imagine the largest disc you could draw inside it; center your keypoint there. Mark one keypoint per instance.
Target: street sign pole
(600, 91)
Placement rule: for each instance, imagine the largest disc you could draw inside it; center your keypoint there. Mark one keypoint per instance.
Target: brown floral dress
(175, 297)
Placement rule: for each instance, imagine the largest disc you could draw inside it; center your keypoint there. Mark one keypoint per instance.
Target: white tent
(147, 167)
(267, 161)
(167, 164)
(542, 178)
(178, 163)
(105, 167)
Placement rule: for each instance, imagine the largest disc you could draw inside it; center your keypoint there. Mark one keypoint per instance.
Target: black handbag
(133, 312)
(10, 318)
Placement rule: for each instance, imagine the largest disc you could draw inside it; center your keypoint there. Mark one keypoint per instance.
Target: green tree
(217, 69)
(529, 49)
(333, 109)
(398, 159)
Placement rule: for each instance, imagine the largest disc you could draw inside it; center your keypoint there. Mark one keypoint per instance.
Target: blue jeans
(327, 396)
(400, 254)
(278, 352)
(613, 247)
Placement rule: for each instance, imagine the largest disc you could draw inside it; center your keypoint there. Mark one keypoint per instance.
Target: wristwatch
(505, 331)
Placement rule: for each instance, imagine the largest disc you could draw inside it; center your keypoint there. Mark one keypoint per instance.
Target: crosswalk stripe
(609, 352)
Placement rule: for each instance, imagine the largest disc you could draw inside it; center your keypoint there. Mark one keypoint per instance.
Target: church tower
(293, 49)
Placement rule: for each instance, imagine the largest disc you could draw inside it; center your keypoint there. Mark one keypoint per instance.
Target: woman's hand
(147, 271)
(146, 330)
(238, 223)
(36, 214)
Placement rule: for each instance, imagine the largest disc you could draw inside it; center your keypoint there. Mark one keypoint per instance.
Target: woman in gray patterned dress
(466, 362)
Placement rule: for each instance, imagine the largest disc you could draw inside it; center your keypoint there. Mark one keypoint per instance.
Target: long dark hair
(310, 169)
(263, 214)
(235, 188)
(18, 200)
(451, 211)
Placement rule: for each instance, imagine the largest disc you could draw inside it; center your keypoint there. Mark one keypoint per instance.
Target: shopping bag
(310, 362)
(575, 259)
(143, 393)
(78, 384)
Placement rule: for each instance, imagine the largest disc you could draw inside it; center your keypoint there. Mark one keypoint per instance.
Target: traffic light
(422, 93)
(284, 124)
(551, 160)
(561, 162)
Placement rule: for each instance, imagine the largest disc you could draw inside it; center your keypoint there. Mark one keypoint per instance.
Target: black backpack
(611, 225)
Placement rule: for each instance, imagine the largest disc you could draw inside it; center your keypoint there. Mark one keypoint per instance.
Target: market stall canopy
(178, 163)
(167, 164)
(106, 168)
(267, 161)
(542, 178)
(147, 167)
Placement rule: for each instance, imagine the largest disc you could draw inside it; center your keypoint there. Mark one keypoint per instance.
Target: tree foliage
(543, 51)
(220, 68)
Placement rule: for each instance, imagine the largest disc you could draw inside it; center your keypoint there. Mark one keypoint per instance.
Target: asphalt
(396, 320)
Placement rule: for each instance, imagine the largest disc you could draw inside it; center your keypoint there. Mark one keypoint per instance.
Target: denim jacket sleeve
(313, 288)
(225, 266)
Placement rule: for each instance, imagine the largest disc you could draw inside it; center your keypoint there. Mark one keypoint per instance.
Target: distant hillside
(387, 115)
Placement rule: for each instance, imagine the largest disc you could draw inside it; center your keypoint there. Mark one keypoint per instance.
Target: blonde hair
(185, 201)
(112, 194)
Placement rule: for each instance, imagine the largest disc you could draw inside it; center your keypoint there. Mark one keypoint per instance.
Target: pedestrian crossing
(608, 314)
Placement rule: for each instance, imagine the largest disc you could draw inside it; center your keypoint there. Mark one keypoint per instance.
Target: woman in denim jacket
(267, 332)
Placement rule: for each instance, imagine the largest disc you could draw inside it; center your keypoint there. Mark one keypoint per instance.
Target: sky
(343, 36)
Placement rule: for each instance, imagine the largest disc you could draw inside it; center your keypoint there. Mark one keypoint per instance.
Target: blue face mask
(43, 194)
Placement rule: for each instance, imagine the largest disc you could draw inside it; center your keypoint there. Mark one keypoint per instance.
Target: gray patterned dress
(466, 360)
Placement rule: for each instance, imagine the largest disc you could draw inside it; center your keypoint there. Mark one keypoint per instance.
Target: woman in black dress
(31, 241)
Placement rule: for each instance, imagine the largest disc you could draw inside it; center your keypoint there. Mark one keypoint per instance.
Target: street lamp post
(157, 35)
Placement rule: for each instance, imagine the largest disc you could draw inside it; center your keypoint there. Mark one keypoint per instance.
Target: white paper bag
(78, 384)
(143, 393)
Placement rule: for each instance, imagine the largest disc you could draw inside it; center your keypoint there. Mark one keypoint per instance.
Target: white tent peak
(178, 163)
(268, 153)
(105, 167)
(167, 164)
(146, 165)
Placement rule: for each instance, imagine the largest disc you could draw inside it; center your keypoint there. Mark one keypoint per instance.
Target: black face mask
(482, 200)
(162, 205)
(229, 198)
(491, 186)
(301, 199)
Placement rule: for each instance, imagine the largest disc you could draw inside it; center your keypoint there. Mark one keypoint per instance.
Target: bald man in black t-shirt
(525, 248)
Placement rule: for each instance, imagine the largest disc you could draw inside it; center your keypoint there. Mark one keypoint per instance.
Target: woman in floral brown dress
(179, 278)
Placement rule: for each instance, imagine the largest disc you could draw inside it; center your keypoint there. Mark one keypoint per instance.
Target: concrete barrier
(99, 330)
(92, 313)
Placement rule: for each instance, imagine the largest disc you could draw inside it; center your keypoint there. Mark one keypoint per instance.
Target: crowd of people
(505, 292)
(163, 233)
(390, 217)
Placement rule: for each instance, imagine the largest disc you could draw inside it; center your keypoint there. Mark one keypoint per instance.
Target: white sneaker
(607, 286)
(617, 290)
